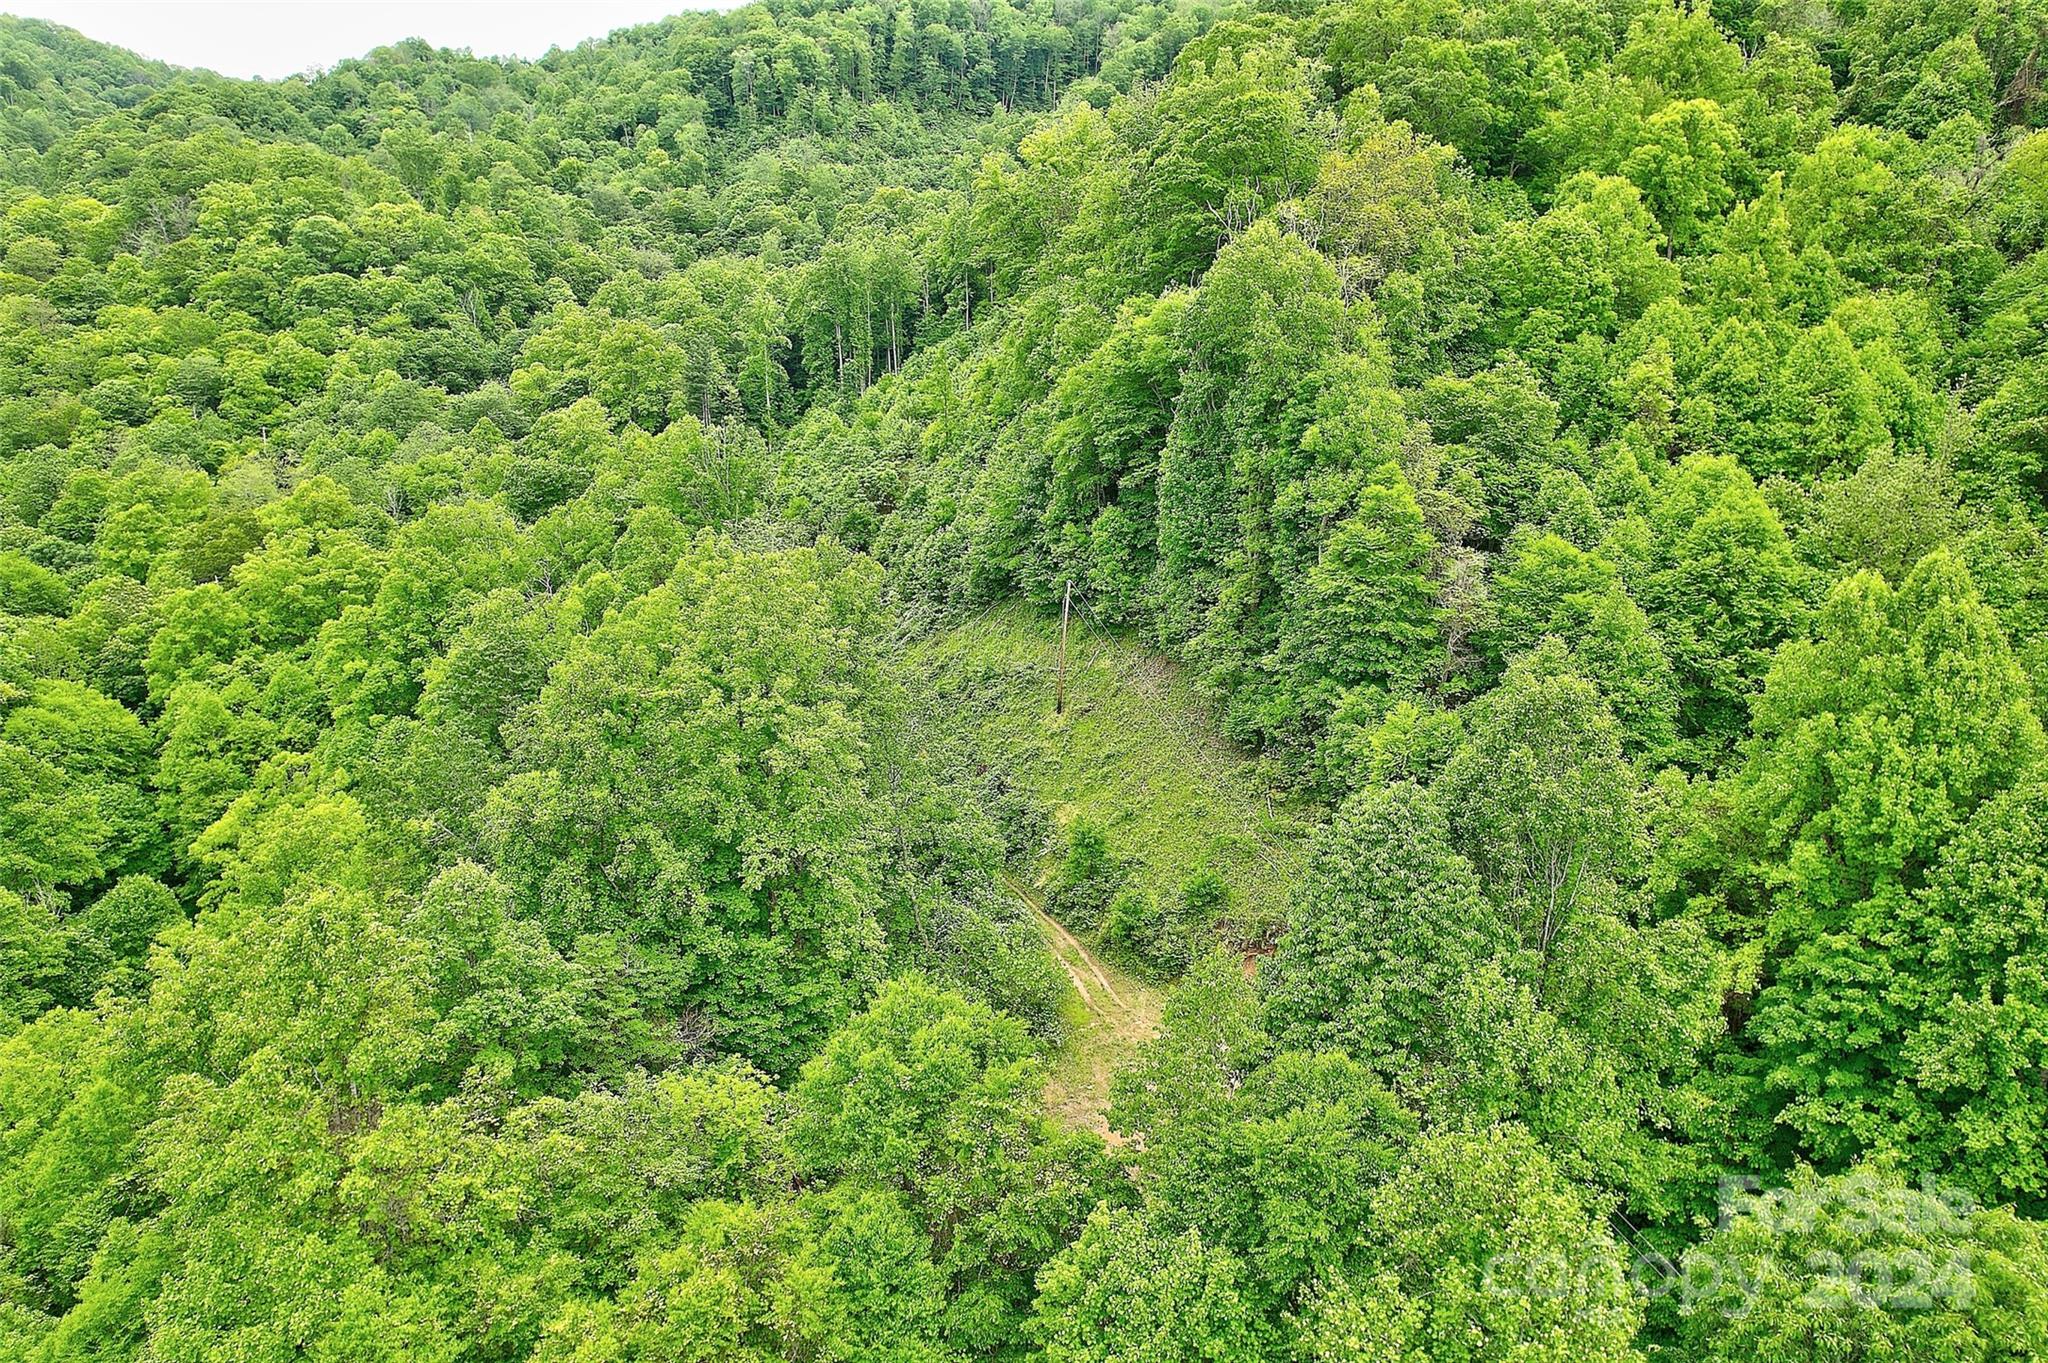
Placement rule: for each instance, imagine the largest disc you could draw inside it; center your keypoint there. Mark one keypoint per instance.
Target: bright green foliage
(105, 755)
(28, 588)
(1875, 745)
(532, 595)
(110, 939)
(1115, 406)
(1503, 427)
(1234, 139)
(33, 948)
(1279, 1171)
(1089, 877)
(1549, 587)
(1267, 312)
(1584, 1018)
(1125, 1291)
(1681, 162)
(1863, 1266)
(880, 1099)
(1965, 1101)
(1272, 1159)
(1545, 802)
(1887, 516)
(692, 780)
(831, 1276)
(933, 1099)
(1722, 587)
(1367, 616)
(55, 834)
(1388, 920)
(1478, 1252)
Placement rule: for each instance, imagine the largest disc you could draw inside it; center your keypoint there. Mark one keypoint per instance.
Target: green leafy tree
(1549, 587)
(1125, 1291)
(842, 1275)
(1234, 138)
(1478, 1251)
(54, 833)
(934, 1099)
(1544, 804)
(693, 778)
(1874, 744)
(34, 948)
(1387, 919)
(1861, 1266)
(1682, 163)
(1723, 589)
(1367, 615)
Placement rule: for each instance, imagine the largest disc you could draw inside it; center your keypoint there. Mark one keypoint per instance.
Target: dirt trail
(1115, 1013)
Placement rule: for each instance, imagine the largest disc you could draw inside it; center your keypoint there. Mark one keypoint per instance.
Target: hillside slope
(534, 822)
(1135, 753)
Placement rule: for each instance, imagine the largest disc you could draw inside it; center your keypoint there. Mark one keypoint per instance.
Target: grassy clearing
(1135, 751)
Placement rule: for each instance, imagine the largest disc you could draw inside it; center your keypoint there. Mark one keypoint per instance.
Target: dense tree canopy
(483, 877)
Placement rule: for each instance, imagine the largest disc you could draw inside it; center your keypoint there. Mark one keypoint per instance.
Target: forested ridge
(494, 865)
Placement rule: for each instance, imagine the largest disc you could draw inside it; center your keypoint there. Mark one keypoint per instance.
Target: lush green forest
(529, 767)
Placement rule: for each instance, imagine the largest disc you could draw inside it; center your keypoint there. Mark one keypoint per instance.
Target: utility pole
(1059, 694)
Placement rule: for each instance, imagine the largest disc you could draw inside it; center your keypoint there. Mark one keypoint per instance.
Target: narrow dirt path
(1070, 949)
(1114, 1013)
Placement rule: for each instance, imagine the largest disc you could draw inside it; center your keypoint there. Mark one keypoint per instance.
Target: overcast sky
(279, 38)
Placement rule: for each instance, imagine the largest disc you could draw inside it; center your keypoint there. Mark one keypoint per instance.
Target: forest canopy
(485, 876)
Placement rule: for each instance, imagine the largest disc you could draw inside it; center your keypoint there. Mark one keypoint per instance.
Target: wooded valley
(1344, 681)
